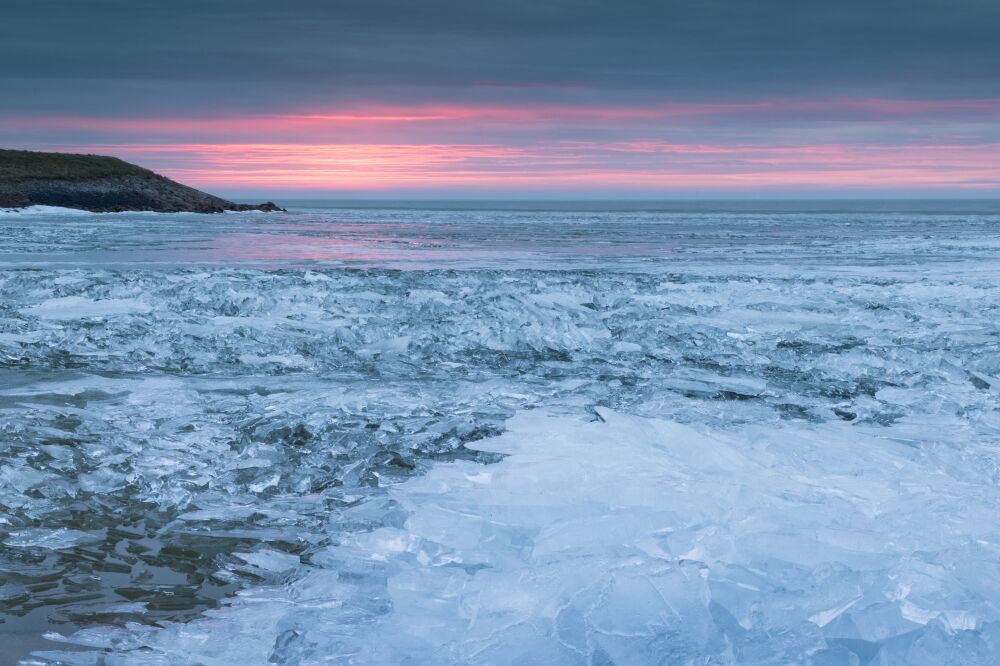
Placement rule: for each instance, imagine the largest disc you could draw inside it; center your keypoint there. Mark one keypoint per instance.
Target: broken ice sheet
(75, 307)
(631, 537)
(270, 560)
(727, 435)
(56, 539)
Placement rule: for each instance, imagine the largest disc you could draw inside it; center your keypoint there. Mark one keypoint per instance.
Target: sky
(517, 98)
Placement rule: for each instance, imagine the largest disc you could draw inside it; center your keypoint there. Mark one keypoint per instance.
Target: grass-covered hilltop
(100, 184)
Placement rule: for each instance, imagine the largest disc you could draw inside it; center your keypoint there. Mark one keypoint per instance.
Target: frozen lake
(538, 433)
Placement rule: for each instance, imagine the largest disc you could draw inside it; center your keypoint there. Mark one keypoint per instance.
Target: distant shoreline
(779, 207)
(762, 206)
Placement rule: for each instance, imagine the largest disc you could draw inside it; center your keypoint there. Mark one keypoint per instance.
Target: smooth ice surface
(501, 436)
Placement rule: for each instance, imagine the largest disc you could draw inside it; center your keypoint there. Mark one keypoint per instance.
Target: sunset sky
(517, 98)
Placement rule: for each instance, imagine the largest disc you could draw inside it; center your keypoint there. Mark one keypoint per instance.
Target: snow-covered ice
(459, 436)
(48, 211)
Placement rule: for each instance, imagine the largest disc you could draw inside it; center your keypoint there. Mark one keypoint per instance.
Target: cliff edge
(100, 184)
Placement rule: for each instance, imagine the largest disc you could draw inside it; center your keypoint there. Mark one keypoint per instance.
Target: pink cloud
(569, 165)
(351, 117)
(368, 148)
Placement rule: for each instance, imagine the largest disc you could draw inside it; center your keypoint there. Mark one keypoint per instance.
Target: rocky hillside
(100, 184)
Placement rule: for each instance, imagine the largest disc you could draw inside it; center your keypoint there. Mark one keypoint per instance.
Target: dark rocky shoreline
(100, 184)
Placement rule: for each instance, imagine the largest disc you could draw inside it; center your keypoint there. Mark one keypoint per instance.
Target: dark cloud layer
(516, 97)
(193, 52)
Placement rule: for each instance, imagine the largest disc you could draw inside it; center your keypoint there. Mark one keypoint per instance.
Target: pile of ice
(776, 445)
(861, 347)
(624, 540)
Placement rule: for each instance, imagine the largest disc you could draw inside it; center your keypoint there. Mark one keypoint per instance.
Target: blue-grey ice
(456, 435)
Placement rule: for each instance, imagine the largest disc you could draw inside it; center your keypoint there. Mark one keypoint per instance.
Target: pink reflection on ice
(411, 245)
